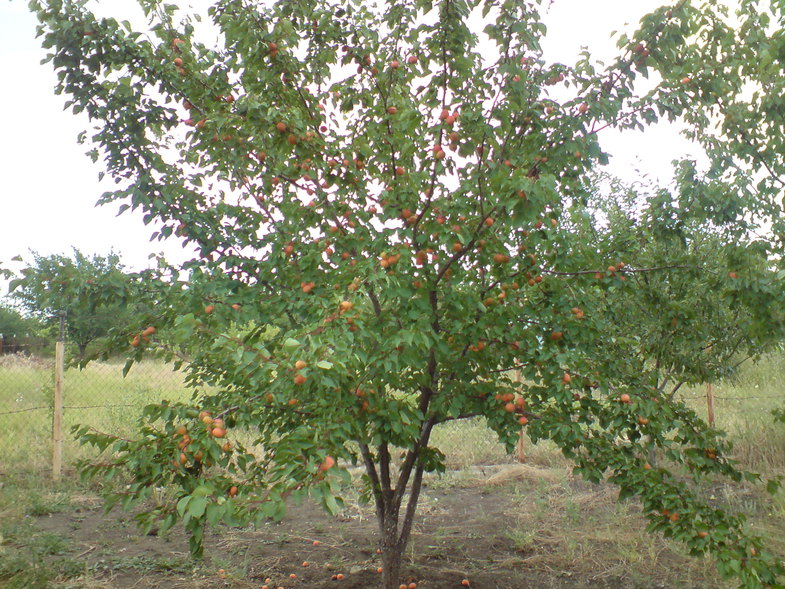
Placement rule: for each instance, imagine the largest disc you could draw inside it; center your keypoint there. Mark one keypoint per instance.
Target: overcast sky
(48, 187)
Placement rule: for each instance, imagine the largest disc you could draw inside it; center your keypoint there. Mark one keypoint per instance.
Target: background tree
(381, 198)
(14, 326)
(93, 293)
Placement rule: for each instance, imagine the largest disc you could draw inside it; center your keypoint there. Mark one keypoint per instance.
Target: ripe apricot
(300, 364)
(624, 398)
(209, 309)
(218, 432)
(281, 127)
(522, 420)
(232, 491)
(328, 463)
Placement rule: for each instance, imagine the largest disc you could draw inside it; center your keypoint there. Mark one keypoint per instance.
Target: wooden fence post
(520, 448)
(57, 417)
(710, 403)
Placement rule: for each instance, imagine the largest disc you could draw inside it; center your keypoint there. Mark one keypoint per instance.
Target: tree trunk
(392, 553)
(394, 533)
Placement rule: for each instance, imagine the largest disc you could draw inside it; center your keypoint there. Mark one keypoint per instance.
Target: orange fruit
(328, 463)
(299, 379)
(218, 432)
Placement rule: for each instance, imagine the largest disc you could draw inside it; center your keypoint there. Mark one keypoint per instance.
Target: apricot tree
(383, 201)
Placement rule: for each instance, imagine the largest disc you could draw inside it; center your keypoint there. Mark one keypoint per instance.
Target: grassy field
(101, 397)
(97, 395)
(496, 522)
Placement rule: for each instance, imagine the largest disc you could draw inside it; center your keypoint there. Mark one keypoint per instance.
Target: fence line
(95, 395)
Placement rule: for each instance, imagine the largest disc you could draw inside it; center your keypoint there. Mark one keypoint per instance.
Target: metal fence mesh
(101, 397)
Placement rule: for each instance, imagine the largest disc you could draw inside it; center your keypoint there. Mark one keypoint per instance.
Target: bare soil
(514, 528)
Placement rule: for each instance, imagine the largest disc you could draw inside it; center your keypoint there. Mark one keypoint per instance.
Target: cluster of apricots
(513, 404)
(216, 428)
(144, 335)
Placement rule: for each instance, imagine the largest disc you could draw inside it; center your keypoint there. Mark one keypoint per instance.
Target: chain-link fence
(97, 395)
(100, 396)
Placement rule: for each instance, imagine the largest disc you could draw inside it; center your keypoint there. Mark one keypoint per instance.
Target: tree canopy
(91, 293)
(394, 208)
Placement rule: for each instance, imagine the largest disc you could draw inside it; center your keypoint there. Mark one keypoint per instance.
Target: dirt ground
(510, 527)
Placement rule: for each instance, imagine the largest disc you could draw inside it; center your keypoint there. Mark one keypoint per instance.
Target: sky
(49, 187)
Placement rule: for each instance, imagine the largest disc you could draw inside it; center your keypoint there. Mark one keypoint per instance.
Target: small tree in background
(15, 325)
(384, 200)
(92, 293)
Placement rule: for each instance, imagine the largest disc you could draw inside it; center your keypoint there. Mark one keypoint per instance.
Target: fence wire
(101, 397)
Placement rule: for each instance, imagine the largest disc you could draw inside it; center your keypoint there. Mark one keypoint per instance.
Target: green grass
(101, 397)
(742, 409)
(98, 396)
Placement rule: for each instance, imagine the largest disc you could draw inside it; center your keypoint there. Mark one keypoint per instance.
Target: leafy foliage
(393, 209)
(93, 294)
